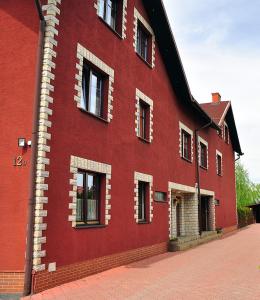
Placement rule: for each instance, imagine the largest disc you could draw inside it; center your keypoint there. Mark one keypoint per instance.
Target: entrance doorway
(257, 215)
(204, 211)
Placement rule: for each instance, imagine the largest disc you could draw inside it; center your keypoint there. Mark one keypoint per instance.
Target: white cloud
(217, 60)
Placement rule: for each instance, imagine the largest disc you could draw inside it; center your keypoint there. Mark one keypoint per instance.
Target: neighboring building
(255, 208)
(112, 171)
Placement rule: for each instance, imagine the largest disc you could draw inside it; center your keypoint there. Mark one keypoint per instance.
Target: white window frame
(77, 164)
(205, 143)
(148, 179)
(139, 18)
(140, 96)
(218, 153)
(183, 127)
(84, 54)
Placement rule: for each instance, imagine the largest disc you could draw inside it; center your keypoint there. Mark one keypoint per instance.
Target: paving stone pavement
(224, 269)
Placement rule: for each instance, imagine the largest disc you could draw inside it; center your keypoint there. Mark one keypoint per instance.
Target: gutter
(33, 170)
(239, 156)
(198, 170)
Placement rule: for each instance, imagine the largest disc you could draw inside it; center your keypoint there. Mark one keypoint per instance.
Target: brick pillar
(173, 222)
(191, 214)
(212, 223)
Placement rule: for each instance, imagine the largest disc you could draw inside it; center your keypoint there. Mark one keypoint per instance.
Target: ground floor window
(88, 198)
(142, 191)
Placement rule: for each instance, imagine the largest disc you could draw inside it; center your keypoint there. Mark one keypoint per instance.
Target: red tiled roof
(216, 110)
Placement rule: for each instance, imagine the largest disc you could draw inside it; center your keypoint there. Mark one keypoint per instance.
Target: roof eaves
(224, 113)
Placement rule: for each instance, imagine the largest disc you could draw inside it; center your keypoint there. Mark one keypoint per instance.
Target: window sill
(143, 222)
(94, 226)
(186, 159)
(160, 201)
(111, 29)
(144, 140)
(204, 168)
(93, 115)
(143, 60)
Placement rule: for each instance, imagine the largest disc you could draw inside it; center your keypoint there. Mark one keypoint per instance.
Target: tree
(247, 193)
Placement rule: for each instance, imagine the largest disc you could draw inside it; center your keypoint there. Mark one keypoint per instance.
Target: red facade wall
(18, 49)
(76, 133)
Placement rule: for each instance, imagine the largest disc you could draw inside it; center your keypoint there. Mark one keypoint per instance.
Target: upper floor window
(144, 120)
(143, 43)
(144, 117)
(226, 133)
(186, 145)
(203, 156)
(144, 39)
(92, 91)
(186, 142)
(108, 12)
(88, 198)
(203, 152)
(219, 163)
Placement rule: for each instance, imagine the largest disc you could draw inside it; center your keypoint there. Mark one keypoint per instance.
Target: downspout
(31, 200)
(198, 170)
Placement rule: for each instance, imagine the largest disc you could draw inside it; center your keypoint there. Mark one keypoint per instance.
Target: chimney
(216, 97)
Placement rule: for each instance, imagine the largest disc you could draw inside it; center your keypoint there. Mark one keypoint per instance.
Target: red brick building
(118, 156)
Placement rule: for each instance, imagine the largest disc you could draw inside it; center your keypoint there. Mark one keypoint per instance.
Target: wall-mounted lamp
(22, 142)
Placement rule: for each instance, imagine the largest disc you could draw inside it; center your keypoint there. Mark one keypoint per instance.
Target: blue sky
(219, 44)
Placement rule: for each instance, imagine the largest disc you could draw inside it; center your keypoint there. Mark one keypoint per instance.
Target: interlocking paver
(225, 269)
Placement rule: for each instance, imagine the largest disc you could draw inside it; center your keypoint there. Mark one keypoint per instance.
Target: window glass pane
(160, 196)
(91, 198)
(92, 93)
(98, 97)
(108, 11)
(83, 102)
(142, 42)
(113, 14)
(101, 8)
(80, 198)
(95, 94)
(141, 201)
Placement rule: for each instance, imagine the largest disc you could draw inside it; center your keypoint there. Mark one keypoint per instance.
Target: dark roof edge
(232, 127)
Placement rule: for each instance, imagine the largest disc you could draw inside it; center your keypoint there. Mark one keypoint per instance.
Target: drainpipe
(31, 200)
(198, 169)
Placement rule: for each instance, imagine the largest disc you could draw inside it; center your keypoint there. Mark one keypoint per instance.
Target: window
(142, 190)
(160, 196)
(88, 198)
(186, 145)
(144, 39)
(143, 42)
(219, 164)
(203, 156)
(143, 120)
(108, 12)
(226, 133)
(92, 91)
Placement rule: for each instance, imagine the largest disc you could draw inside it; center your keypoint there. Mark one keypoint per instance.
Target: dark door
(257, 215)
(178, 219)
(204, 213)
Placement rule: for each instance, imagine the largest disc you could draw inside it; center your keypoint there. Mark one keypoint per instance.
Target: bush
(245, 217)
